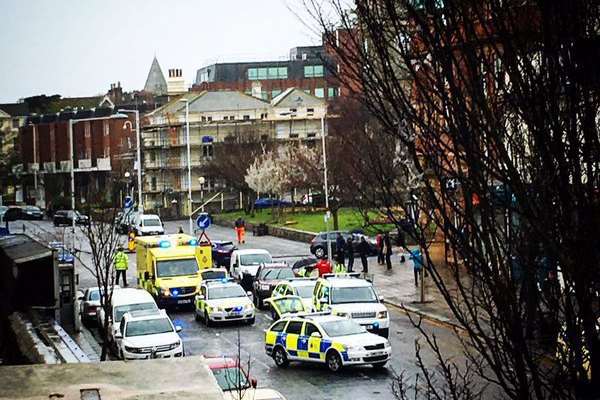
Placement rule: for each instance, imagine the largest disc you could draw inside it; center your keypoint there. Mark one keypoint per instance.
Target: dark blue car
(221, 252)
(266, 202)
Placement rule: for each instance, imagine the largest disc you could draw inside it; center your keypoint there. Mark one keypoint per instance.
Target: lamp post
(72, 122)
(189, 160)
(139, 155)
(127, 175)
(201, 181)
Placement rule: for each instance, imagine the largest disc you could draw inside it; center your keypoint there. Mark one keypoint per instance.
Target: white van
(246, 262)
(148, 225)
(123, 301)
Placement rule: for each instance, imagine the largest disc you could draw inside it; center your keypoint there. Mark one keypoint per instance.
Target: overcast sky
(80, 47)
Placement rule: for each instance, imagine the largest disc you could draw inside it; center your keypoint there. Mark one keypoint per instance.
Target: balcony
(103, 164)
(50, 167)
(85, 163)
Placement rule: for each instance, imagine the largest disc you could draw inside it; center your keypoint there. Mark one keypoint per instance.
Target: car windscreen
(121, 310)
(287, 305)
(255, 259)
(342, 328)
(231, 378)
(166, 268)
(95, 295)
(305, 291)
(268, 274)
(148, 327)
(364, 294)
(206, 275)
(224, 292)
(151, 222)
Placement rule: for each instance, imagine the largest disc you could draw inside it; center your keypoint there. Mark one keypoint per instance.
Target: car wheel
(280, 357)
(379, 365)
(251, 321)
(333, 361)
(207, 321)
(319, 252)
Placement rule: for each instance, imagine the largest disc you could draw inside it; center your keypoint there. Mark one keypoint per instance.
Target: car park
(285, 305)
(267, 277)
(301, 287)
(221, 252)
(89, 304)
(244, 265)
(318, 245)
(123, 301)
(347, 295)
(147, 334)
(65, 217)
(148, 225)
(333, 340)
(31, 213)
(223, 301)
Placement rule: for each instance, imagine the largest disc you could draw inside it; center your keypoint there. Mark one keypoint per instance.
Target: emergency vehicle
(347, 295)
(169, 266)
(323, 338)
(222, 300)
(302, 287)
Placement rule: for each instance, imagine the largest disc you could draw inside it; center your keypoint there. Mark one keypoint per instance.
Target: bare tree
(494, 105)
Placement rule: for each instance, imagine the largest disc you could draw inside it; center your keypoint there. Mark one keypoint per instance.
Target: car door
(314, 343)
(292, 333)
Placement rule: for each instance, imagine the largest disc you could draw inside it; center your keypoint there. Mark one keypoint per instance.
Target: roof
(4, 114)
(146, 314)
(155, 82)
(21, 248)
(15, 109)
(348, 282)
(251, 251)
(226, 101)
(294, 97)
(317, 317)
(131, 296)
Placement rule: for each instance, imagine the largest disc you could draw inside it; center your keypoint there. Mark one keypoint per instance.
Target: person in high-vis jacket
(121, 265)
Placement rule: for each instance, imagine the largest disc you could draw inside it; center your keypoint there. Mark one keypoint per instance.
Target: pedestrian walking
(363, 250)
(240, 230)
(340, 244)
(379, 246)
(121, 262)
(350, 253)
(417, 264)
(387, 250)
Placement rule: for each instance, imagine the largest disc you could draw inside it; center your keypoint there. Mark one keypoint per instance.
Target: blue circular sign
(203, 221)
(128, 203)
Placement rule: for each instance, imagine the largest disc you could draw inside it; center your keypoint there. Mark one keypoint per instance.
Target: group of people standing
(346, 248)
(384, 249)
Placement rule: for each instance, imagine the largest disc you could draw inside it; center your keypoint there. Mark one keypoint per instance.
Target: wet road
(298, 381)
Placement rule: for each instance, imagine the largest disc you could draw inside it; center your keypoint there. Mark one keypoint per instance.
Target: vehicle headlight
(249, 306)
(175, 345)
(165, 292)
(132, 349)
(264, 287)
(382, 314)
(354, 348)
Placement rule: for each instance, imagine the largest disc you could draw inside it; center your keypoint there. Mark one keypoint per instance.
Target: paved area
(298, 381)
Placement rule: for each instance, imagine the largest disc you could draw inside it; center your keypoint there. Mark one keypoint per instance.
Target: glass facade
(255, 74)
(313, 71)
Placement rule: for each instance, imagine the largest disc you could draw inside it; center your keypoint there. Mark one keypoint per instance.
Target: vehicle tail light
(92, 310)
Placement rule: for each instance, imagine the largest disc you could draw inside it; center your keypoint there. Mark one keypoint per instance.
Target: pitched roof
(155, 82)
(293, 97)
(4, 114)
(226, 101)
(15, 109)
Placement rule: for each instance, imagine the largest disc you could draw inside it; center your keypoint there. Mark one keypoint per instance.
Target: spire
(155, 82)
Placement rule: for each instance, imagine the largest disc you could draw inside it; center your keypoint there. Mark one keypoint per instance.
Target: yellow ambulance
(168, 267)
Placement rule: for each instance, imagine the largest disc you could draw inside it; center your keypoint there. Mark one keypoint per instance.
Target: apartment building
(214, 117)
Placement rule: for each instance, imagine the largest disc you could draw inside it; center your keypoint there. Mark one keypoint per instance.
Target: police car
(223, 300)
(347, 295)
(301, 287)
(323, 338)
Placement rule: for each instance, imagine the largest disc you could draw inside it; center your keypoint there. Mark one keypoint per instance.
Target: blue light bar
(163, 244)
(193, 242)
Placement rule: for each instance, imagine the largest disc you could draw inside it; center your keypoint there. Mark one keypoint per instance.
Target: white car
(89, 303)
(148, 225)
(223, 300)
(244, 265)
(346, 295)
(148, 334)
(123, 301)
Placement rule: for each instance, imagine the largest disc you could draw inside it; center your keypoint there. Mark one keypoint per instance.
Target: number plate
(368, 326)
(186, 301)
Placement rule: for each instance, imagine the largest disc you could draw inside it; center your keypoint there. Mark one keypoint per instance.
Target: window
(226, 118)
(152, 156)
(252, 74)
(310, 111)
(207, 150)
(294, 136)
(331, 92)
(232, 117)
(294, 327)
(313, 71)
(275, 93)
(309, 329)
(209, 119)
(263, 116)
(278, 327)
(153, 183)
(246, 118)
(203, 118)
(293, 110)
(262, 73)
(267, 73)
(282, 72)
(320, 92)
(307, 91)
(272, 73)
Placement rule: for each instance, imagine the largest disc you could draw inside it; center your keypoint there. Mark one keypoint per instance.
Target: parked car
(3, 210)
(65, 217)
(148, 334)
(267, 277)
(221, 252)
(244, 265)
(318, 245)
(125, 221)
(266, 202)
(148, 225)
(31, 213)
(90, 303)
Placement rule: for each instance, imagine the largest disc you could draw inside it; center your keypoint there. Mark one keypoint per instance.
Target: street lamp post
(328, 215)
(189, 160)
(139, 155)
(201, 181)
(127, 175)
(72, 122)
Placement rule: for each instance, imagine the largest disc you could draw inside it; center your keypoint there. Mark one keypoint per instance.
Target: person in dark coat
(387, 250)
(379, 246)
(363, 250)
(350, 253)
(340, 244)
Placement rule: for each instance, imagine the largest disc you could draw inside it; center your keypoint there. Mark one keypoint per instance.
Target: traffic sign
(128, 203)
(203, 221)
